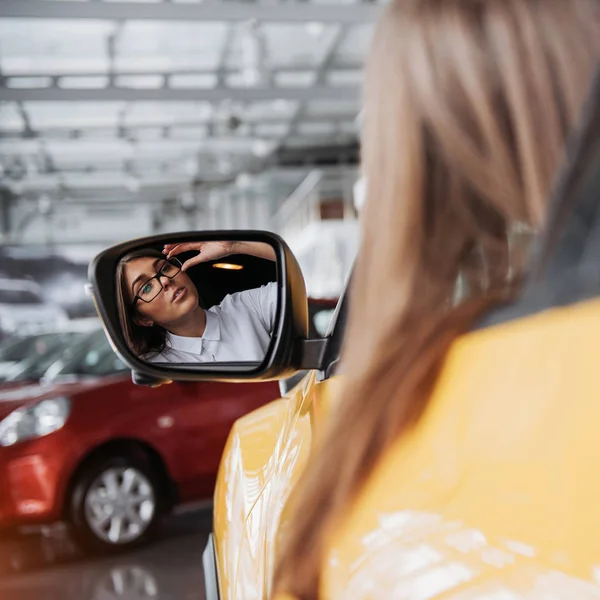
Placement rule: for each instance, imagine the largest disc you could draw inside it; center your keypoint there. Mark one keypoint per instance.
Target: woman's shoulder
(156, 356)
(245, 296)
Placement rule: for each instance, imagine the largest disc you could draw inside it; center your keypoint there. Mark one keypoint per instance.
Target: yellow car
(263, 458)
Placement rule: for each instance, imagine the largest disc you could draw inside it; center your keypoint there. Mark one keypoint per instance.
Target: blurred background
(121, 119)
(125, 119)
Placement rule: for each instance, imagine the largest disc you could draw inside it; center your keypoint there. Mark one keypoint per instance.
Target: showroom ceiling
(142, 95)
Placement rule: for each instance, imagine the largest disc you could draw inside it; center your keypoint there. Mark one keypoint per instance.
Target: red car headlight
(34, 421)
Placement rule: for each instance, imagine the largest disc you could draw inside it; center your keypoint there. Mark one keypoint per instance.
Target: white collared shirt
(237, 330)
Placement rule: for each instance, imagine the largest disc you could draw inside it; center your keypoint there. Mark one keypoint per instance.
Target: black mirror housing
(286, 351)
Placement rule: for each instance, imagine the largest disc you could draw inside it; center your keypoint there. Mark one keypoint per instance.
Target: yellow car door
(263, 458)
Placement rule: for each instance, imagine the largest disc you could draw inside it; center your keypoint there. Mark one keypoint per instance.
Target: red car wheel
(116, 504)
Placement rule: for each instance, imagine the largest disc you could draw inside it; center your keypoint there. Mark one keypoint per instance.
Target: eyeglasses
(153, 286)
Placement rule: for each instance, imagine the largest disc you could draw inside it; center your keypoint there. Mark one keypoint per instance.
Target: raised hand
(207, 251)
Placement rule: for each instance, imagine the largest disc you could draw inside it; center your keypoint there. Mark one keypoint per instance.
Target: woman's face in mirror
(177, 299)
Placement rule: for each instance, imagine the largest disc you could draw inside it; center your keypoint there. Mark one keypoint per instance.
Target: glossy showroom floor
(51, 567)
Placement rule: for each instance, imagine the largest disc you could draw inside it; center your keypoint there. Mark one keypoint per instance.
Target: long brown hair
(142, 340)
(468, 104)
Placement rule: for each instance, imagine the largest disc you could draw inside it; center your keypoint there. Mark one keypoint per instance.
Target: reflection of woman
(467, 108)
(162, 317)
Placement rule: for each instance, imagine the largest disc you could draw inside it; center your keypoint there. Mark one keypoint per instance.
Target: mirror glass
(198, 302)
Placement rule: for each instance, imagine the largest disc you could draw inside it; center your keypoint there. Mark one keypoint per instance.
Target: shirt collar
(212, 332)
(213, 329)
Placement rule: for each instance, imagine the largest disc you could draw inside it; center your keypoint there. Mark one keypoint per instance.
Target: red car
(109, 457)
(94, 449)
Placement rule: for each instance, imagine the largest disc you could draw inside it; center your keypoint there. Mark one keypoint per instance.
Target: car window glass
(337, 329)
(41, 355)
(15, 351)
(94, 357)
(321, 320)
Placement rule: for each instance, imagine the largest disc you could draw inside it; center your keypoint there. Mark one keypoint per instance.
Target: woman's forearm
(258, 249)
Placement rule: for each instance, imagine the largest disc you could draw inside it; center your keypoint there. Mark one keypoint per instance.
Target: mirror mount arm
(147, 380)
(311, 354)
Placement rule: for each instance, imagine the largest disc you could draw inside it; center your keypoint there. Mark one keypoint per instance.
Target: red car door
(202, 415)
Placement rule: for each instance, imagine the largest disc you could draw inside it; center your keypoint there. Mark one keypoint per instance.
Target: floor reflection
(52, 567)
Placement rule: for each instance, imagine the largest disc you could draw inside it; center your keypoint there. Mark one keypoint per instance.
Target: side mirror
(225, 305)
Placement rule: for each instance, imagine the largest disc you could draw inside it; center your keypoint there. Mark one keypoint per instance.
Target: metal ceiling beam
(103, 181)
(221, 70)
(79, 133)
(326, 62)
(219, 94)
(211, 10)
(27, 131)
(329, 58)
(348, 154)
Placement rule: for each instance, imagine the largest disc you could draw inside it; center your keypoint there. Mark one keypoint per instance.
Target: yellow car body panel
(263, 458)
(495, 494)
